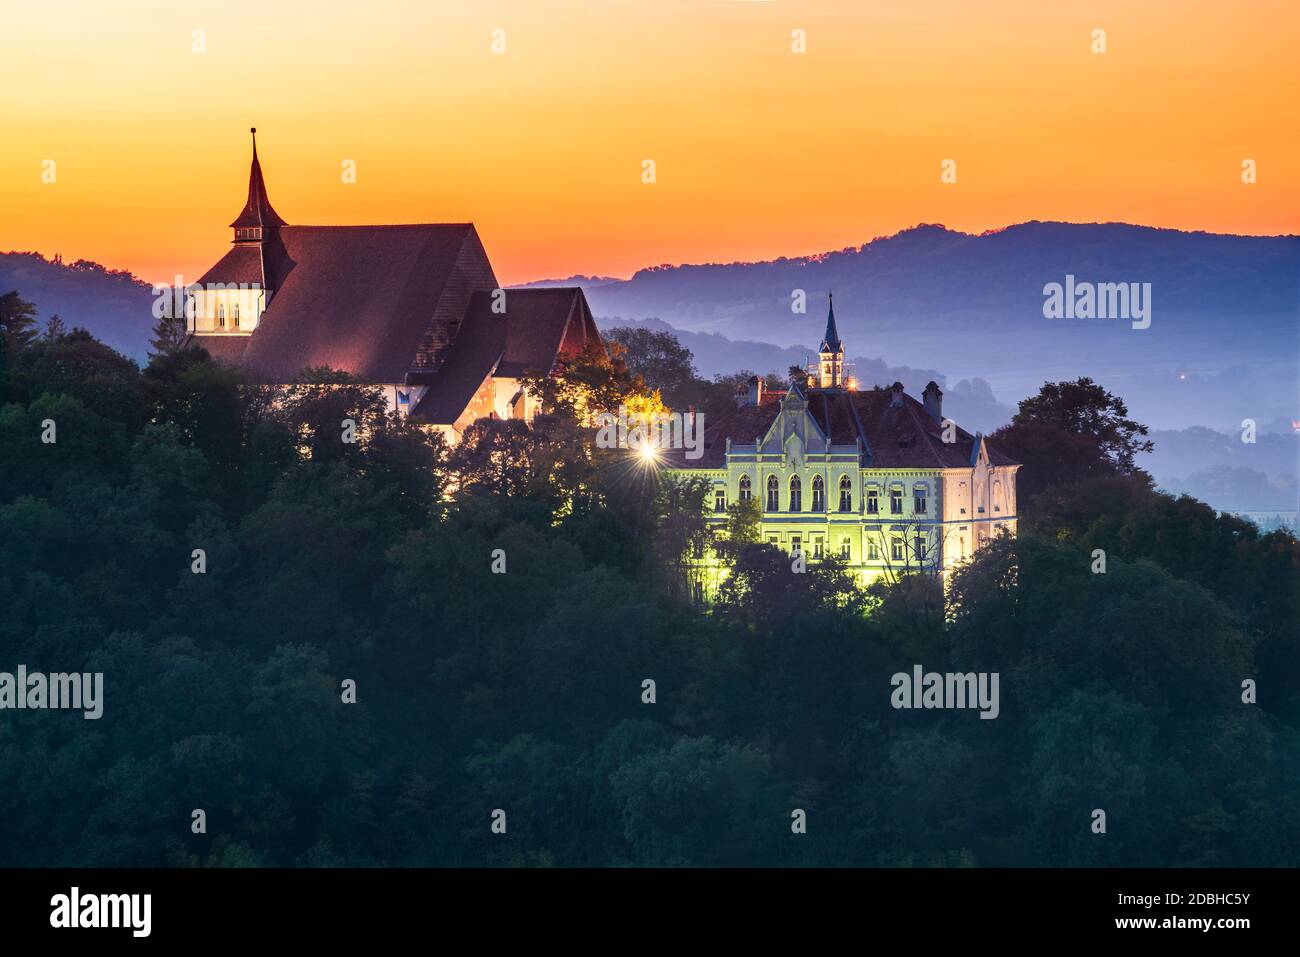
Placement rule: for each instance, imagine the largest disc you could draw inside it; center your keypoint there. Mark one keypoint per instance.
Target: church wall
(210, 302)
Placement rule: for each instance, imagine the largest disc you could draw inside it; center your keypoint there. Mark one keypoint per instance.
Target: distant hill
(112, 304)
(1222, 345)
(970, 403)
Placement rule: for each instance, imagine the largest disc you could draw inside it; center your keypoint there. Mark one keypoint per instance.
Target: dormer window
(221, 315)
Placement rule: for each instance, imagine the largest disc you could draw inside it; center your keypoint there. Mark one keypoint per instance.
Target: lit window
(796, 545)
(221, 315)
(873, 551)
(818, 547)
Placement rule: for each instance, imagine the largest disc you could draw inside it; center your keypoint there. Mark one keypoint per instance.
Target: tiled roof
(536, 323)
(530, 335)
(226, 348)
(357, 298)
(471, 359)
(242, 264)
(897, 436)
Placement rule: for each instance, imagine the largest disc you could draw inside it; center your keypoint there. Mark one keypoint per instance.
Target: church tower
(233, 294)
(256, 222)
(831, 367)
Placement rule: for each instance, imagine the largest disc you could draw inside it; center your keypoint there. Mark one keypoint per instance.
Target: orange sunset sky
(760, 151)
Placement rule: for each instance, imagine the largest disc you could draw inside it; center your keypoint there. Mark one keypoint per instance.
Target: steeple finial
(258, 214)
(831, 341)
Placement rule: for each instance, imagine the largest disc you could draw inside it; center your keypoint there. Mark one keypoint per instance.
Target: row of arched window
(221, 314)
(773, 503)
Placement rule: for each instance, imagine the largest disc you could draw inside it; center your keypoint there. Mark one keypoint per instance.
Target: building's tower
(257, 221)
(234, 293)
(831, 367)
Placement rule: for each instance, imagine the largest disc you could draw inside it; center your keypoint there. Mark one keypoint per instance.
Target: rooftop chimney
(933, 399)
(897, 398)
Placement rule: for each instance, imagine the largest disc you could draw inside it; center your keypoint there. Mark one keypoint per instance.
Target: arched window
(773, 494)
(234, 312)
(819, 495)
(796, 494)
(745, 492)
(846, 494)
(221, 315)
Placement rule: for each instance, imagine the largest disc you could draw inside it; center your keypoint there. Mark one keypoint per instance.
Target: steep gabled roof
(473, 357)
(538, 327)
(358, 298)
(241, 265)
(257, 210)
(831, 341)
(893, 436)
(536, 323)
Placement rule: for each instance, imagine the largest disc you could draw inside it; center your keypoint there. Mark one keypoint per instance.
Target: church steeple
(257, 216)
(831, 366)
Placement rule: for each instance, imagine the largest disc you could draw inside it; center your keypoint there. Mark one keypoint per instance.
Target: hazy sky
(759, 151)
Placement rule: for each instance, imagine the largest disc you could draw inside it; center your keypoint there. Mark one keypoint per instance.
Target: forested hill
(112, 304)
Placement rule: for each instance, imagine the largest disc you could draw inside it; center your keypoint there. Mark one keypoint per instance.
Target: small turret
(831, 353)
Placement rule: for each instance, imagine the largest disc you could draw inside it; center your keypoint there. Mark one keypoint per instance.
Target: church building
(873, 476)
(415, 309)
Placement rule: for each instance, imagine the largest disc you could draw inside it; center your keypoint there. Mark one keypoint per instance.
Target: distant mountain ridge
(114, 305)
(1222, 345)
(1224, 342)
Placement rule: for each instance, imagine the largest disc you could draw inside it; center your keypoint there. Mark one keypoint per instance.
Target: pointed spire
(257, 212)
(831, 341)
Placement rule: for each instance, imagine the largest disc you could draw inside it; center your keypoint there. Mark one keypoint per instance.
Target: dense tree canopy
(1071, 431)
(501, 607)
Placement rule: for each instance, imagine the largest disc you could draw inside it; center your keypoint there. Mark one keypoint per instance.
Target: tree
(17, 322)
(1071, 431)
(169, 331)
(598, 380)
(764, 592)
(659, 359)
(55, 329)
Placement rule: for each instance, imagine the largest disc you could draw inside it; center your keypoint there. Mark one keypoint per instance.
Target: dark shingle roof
(903, 436)
(536, 320)
(241, 265)
(356, 298)
(530, 335)
(471, 359)
(222, 348)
